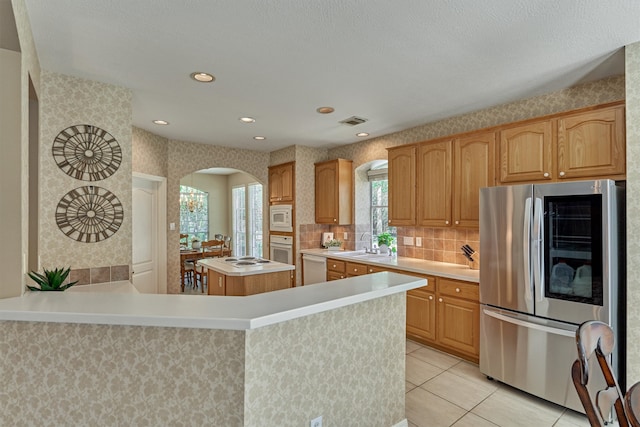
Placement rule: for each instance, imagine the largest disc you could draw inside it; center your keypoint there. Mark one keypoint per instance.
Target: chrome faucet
(366, 249)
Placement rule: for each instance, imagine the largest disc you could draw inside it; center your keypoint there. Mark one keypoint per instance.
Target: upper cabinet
(526, 152)
(473, 168)
(581, 145)
(434, 183)
(592, 144)
(402, 185)
(281, 183)
(334, 192)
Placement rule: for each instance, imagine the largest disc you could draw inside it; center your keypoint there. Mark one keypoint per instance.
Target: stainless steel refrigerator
(550, 260)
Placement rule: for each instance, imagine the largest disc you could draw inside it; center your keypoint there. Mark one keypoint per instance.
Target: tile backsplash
(88, 276)
(438, 244)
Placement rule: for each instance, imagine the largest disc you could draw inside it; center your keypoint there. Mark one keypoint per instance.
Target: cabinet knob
(457, 289)
(355, 270)
(546, 174)
(389, 221)
(334, 220)
(334, 266)
(446, 222)
(371, 270)
(457, 222)
(561, 174)
(430, 297)
(440, 299)
(341, 276)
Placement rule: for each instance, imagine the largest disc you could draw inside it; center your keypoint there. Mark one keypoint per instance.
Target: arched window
(194, 213)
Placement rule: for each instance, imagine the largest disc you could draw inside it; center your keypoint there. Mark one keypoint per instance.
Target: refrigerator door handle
(526, 248)
(531, 325)
(538, 262)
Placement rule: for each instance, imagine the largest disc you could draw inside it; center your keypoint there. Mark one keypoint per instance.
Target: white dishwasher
(314, 269)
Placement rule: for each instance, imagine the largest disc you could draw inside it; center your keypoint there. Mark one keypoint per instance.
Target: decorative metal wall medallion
(87, 152)
(89, 214)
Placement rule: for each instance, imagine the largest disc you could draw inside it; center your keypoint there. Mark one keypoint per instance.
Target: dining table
(188, 255)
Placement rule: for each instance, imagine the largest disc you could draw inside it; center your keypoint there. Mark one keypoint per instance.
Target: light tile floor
(443, 390)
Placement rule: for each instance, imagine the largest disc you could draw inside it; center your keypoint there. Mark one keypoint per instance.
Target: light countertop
(229, 269)
(415, 265)
(205, 312)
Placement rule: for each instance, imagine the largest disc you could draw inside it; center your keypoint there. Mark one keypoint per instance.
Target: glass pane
(194, 213)
(239, 221)
(255, 220)
(573, 248)
(380, 210)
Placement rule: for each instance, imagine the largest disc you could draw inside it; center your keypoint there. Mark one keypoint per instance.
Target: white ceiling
(397, 63)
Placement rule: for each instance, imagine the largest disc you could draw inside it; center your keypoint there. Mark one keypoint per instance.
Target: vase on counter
(196, 245)
(384, 249)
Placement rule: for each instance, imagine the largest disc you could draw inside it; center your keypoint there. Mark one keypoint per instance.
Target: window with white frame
(379, 190)
(247, 220)
(194, 213)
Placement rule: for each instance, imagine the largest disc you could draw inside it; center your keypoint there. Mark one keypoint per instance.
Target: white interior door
(148, 253)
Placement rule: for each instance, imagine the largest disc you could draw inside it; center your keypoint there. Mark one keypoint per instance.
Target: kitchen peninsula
(333, 349)
(246, 275)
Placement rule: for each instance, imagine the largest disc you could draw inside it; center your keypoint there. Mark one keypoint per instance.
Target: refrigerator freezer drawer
(531, 354)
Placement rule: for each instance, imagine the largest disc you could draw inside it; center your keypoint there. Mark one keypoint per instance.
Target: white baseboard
(403, 423)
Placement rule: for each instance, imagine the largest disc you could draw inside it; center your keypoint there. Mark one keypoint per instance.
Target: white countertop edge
(203, 312)
(229, 270)
(414, 265)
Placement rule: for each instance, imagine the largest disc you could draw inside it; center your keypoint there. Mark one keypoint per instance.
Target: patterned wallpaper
(632, 53)
(64, 374)
(149, 152)
(187, 157)
(66, 101)
(346, 365)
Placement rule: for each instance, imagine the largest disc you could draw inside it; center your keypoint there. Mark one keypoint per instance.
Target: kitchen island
(242, 276)
(280, 358)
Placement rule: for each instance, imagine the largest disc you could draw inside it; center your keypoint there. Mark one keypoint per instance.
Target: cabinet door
(402, 178)
(286, 180)
(421, 314)
(526, 153)
(334, 275)
(275, 185)
(355, 269)
(474, 168)
(326, 193)
(592, 144)
(458, 324)
(216, 283)
(433, 188)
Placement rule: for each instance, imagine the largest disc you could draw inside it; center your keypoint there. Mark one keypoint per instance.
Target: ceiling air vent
(353, 121)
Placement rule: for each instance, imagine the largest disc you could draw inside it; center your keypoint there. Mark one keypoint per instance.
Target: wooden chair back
(213, 248)
(595, 337)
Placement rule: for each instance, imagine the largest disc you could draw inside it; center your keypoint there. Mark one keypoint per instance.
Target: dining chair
(185, 237)
(226, 250)
(595, 337)
(210, 249)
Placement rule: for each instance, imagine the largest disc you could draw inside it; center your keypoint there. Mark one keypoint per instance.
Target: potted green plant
(51, 280)
(384, 241)
(333, 244)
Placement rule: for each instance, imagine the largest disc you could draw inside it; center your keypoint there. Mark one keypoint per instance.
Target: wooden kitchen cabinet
(356, 269)
(334, 192)
(433, 191)
(216, 283)
(526, 152)
(421, 312)
(473, 168)
(591, 144)
(458, 319)
(402, 185)
(281, 183)
(336, 269)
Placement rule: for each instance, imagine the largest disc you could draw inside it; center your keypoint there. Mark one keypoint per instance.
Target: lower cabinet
(444, 314)
(221, 284)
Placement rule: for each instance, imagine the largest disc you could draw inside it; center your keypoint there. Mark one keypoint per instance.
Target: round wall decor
(89, 214)
(87, 152)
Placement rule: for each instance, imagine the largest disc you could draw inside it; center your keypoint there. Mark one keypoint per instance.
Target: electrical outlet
(317, 422)
(345, 236)
(408, 241)
(418, 241)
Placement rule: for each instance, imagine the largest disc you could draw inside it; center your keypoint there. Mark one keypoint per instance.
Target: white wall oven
(281, 218)
(281, 249)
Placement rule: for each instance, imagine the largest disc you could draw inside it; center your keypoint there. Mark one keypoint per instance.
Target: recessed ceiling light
(202, 77)
(325, 110)
(247, 120)
(362, 134)
(161, 122)
(259, 138)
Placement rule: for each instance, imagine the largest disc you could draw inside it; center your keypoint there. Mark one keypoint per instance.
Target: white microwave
(281, 218)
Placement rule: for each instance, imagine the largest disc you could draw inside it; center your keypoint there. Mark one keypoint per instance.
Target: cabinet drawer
(458, 289)
(333, 265)
(333, 275)
(375, 269)
(355, 269)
